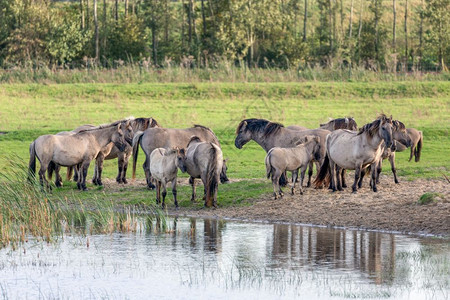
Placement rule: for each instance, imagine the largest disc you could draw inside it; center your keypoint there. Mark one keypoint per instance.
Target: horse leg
(75, 174)
(83, 174)
(357, 176)
(158, 192)
(119, 168)
(174, 192)
(126, 159)
(58, 178)
(379, 168)
(94, 178)
(148, 175)
(374, 176)
(164, 194)
(283, 179)
(302, 177)
(333, 175)
(413, 150)
(338, 178)
(360, 182)
(275, 183)
(344, 185)
(99, 163)
(192, 183)
(42, 179)
(294, 180)
(310, 173)
(392, 161)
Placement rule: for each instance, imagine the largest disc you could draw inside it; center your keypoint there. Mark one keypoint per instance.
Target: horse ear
(119, 127)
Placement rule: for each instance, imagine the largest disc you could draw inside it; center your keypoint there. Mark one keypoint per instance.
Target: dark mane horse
(271, 134)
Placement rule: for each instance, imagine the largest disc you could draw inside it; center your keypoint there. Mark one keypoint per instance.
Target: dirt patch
(393, 208)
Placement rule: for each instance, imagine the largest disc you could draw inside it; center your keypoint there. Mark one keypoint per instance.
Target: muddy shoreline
(394, 208)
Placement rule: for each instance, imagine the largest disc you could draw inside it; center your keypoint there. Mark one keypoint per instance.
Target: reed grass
(28, 210)
(222, 71)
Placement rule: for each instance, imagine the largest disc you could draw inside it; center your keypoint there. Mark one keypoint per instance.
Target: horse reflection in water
(212, 235)
(369, 252)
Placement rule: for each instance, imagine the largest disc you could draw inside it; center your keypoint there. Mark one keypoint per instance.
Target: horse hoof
(292, 191)
(396, 182)
(309, 184)
(344, 186)
(375, 189)
(124, 181)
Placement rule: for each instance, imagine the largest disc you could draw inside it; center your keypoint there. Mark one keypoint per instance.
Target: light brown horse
(168, 138)
(204, 160)
(270, 134)
(355, 151)
(77, 149)
(164, 168)
(416, 143)
(279, 160)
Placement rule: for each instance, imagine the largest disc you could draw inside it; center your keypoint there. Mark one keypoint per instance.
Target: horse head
(128, 132)
(317, 147)
(399, 133)
(243, 135)
(223, 172)
(385, 130)
(118, 137)
(180, 162)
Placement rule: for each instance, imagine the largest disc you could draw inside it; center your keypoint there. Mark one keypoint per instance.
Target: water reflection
(232, 260)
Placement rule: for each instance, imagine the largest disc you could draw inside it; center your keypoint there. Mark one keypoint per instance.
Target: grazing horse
(164, 166)
(355, 151)
(77, 149)
(168, 138)
(279, 160)
(204, 160)
(269, 134)
(400, 136)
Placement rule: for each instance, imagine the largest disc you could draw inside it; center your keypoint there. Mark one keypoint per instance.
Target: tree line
(390, 35)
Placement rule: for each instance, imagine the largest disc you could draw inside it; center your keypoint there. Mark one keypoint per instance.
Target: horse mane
(260, 125)
(194, 138)
(146, 122)
(170, 151)
(372, 128)
(207, 129)
(398, 126)
(103, 126)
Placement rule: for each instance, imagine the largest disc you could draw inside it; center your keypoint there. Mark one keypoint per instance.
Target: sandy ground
(393, 208)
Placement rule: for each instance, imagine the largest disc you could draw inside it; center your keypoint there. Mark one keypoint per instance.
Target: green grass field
(30, 110)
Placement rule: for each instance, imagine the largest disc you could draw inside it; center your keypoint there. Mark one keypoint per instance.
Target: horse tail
(136, 140)
(211, 178)
(418, 148)
(324, 173)
(69, 172)
(32, 163)
(268, 164)
(51, 168)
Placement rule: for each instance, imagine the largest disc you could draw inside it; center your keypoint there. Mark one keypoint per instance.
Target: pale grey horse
(355, 151)
(164, 165)
(279, 160)
(77, 149)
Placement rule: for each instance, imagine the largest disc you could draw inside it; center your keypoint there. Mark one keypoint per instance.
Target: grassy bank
(30, 110)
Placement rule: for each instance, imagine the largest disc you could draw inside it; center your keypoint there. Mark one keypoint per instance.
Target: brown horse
(355, 151)
(340, 123)
(279, 160)
(76, 149)
(168, 138)
(269, 134)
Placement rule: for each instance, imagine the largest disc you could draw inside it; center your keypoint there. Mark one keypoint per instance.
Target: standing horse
(77, 149)
(416, 143)
(355, 151)
(164, 168)
(111, 152)
(340, 123)
(269, 134)
(204, 160)
(400, 135)
(168, 138)
(279, 160)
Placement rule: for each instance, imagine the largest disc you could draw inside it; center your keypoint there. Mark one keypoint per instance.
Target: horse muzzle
(238, 144)
(224, 179)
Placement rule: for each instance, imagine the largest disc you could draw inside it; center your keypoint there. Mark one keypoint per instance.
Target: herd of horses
(334, 147)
